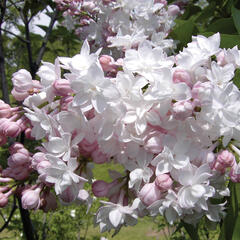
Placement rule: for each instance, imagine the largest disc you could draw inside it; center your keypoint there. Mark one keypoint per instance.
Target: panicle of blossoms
(171, 122)
(121, 24)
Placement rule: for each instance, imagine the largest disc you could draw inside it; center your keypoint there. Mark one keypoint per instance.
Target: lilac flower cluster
(171, 122)
(120, 23)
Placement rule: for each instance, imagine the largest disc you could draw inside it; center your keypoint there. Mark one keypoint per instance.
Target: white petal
(198, 190)
(99, 103)
(115, 217)
(163, 167)
(130, 117)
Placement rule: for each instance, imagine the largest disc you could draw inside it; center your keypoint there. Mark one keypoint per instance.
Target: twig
(14, 207)
(15, 35)
(29, 46)
(2, 60)
(26, 221)
(15, 4)
(45, 40)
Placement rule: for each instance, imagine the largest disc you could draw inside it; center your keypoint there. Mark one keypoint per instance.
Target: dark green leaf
(236, 18)
(231, 221)
(190, 11)
(236, 78)
(236, 231)
(223, 25)
(183, 32)
(191, 230)
(207, 13)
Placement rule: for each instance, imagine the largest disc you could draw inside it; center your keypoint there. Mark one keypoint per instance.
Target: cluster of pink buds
(19, 163)
(151, 192)
(9, 127)
(5, 192)
(35, 197)
(224, 160)
(12, 122)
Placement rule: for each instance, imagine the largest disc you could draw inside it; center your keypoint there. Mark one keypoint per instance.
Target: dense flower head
(121, 24)
(171, 122)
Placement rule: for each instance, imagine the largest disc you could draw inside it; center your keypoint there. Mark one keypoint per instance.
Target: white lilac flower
(220, 75)
(42, 122)
(139, 170)
(62, 174)
(195, 189)
(115, 215)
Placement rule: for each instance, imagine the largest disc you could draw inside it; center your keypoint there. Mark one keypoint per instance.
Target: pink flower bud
(68, 195)
(108, 63)
(42, 166)
(18, 159)
(65, 101)
(28, 133)
(181, 75)
(173, 10)
(182, 110)
(62, 87)
(5, 179)
(83, 195)
(9, 128)
(15, 147)
(86, 148)
(20, 173)
(226, 158)
(4, 189)
(99, 157)
(31, 199)
(5, 110)
(22, 82)
(235, 173)
(218, 167)
(163, 182)
(37, 158)
(149, 194)
(100, 188)
(3, 200)
(49, 202)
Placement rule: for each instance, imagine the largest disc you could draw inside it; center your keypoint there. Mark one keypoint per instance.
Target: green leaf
(230, 226)
(207, 12)
(190, 11)
(191, 230)
(223, 25)
(183, 32)
(236, 79)
(236, 18)
(236, 231)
